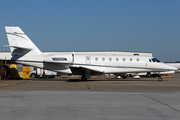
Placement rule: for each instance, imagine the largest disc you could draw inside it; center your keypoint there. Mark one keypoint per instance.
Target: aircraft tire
(160, 79)
(148, 74)
(124, 76)
(84, 78)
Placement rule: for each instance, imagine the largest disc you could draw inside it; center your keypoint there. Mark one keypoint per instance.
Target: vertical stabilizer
(19, 42)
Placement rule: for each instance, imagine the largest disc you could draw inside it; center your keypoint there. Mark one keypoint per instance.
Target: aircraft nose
(172, 68)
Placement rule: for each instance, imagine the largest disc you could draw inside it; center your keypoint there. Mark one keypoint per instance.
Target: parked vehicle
(38, 73)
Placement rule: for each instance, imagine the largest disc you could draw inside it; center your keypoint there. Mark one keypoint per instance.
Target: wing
(91, 68)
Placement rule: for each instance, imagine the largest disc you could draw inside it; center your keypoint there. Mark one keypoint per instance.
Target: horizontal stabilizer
(18, 47)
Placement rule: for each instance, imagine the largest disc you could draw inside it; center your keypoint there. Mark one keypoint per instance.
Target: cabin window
(96, 59)
(124, 59)
(110, 59)
(103, 59)
(117, 59)
(130, 59)
(137, 59)
(87, 58)
(150, 60)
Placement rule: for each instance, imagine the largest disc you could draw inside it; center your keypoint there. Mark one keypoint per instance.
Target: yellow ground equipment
(26, 72)
(16, 71)
(19, 72)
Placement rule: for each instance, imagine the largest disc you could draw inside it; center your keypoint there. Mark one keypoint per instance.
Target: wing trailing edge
(92, 69)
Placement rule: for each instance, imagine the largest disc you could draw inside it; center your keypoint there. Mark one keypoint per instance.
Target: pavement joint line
(161, 103)
(13, 84)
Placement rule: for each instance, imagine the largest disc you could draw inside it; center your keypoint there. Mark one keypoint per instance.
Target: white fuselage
(24, 51)
(75, 64)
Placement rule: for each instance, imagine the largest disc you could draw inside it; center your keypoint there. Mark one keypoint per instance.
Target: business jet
(25, 52)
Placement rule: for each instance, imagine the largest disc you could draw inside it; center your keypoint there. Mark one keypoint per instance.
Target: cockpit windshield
(154, 60)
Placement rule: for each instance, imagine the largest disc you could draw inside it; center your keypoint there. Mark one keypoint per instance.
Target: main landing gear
(160, 78)
(84, 78)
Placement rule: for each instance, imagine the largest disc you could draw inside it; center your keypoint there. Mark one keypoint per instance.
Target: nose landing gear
(160, 78)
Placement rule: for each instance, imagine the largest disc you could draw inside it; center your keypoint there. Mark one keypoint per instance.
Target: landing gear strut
(124, 76)
(83, 78)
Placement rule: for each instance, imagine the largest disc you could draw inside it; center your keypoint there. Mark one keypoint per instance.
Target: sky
(97, 25)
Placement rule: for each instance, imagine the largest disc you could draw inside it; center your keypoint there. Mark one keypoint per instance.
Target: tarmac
(97, 98)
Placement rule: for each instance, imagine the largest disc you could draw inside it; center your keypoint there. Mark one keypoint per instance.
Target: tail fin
(19, 42)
